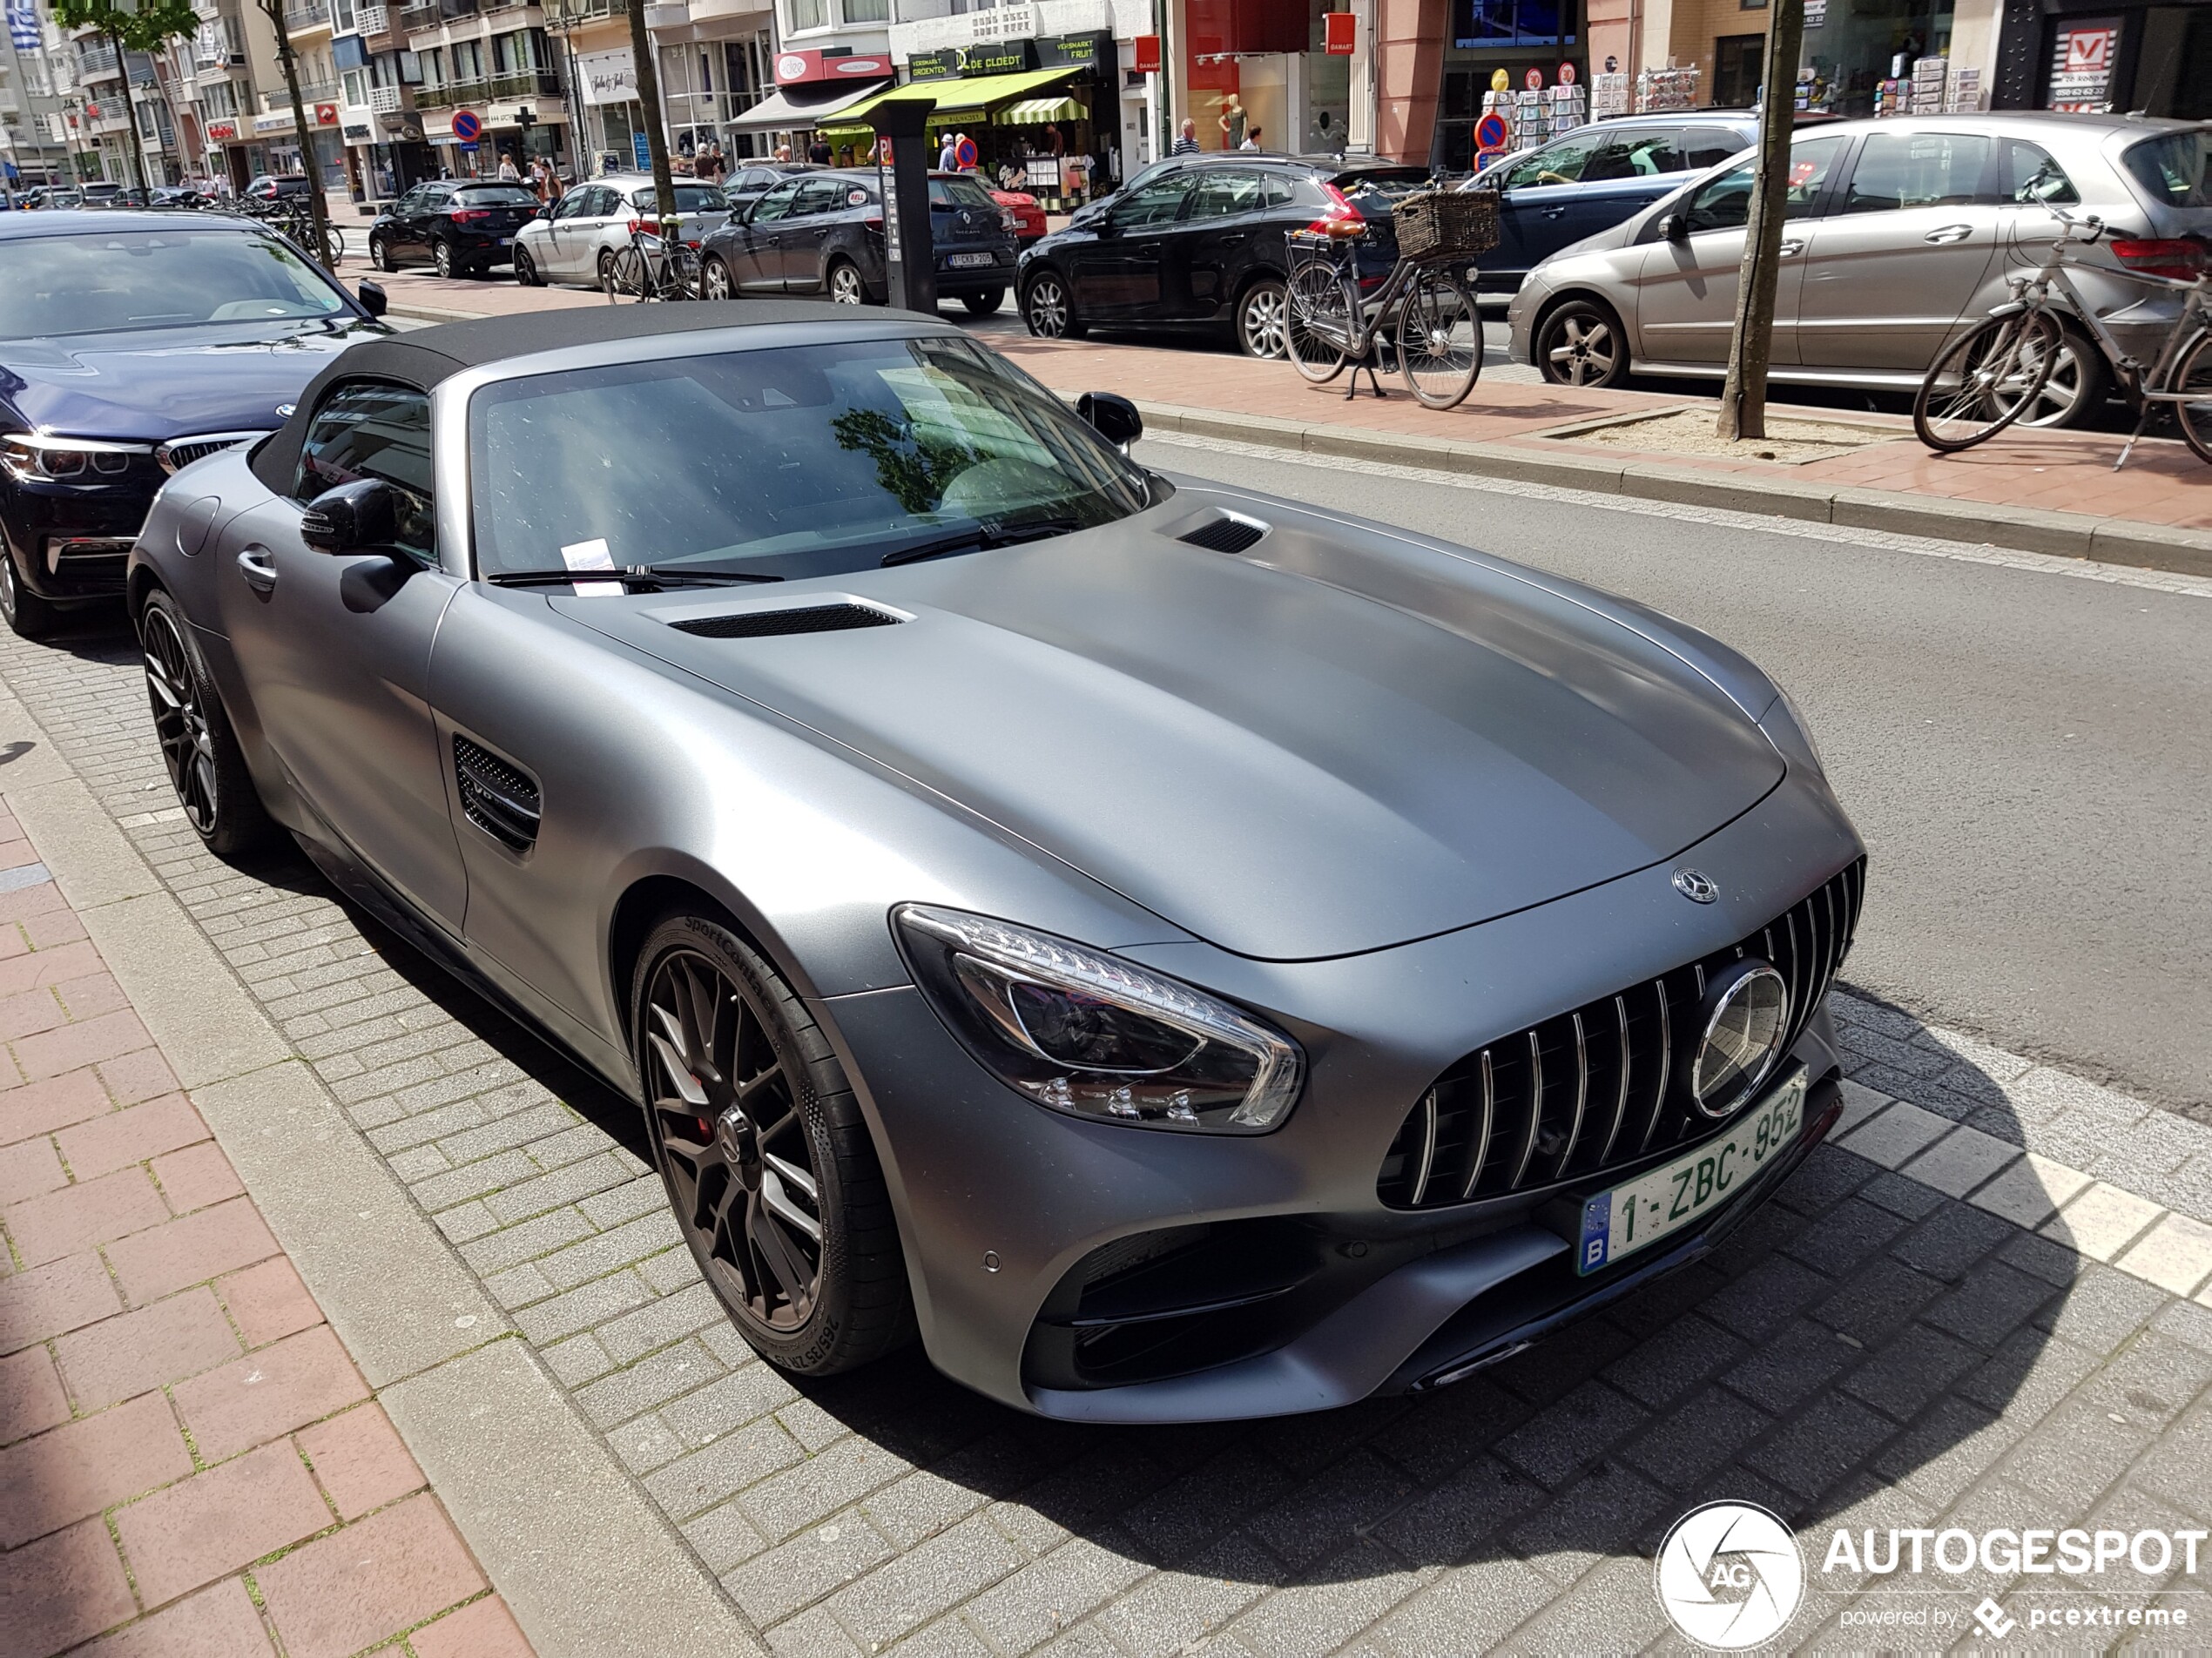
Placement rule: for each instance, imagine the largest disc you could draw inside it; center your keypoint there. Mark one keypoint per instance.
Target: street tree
(642, 52)
(1751, 344)
(132, 26)
(318, 210)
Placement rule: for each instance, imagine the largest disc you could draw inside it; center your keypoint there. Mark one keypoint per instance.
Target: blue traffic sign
(466, 127)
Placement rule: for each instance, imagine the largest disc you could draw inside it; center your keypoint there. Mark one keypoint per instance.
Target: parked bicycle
(1997, 370)
(293, 219)
(1423, 318)
(654, 266)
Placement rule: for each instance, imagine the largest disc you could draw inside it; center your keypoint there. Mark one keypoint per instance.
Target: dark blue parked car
(1594, 177)
(132, 344)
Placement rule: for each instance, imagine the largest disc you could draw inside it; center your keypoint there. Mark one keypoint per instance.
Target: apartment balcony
(452, 93)
(307, 17)
(319, 92)
(99, 63)
(9, 107)
(535, 83)
(415, 20)
(373, 20)
(569, 14)
(388, 100)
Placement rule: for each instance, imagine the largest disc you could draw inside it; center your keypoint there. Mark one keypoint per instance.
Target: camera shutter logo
(1729, 1575)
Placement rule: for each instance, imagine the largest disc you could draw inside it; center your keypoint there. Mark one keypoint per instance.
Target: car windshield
(788, 462)
(1373, 190)
(493, 195)
(2176, 170)
(132, 280)
(958, 193)
(700, 199)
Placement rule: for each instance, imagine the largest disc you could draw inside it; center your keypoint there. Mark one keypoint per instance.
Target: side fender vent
(495, 796)
(1227, 534)
(763, 624)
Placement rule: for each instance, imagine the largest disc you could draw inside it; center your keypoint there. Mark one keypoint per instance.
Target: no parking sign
(1493, 135)
(467, 129)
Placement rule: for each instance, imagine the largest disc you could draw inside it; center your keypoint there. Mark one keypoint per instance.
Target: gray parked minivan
(1901, 234)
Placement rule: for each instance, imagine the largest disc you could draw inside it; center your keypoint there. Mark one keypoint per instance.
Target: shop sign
(325, 115)
(1339, 33)
(356, 132)
(280, 121)
(2082, 55)
(933, 66)
(1092, 50)
(814, 66)
(984, 57)
(1145, 58)
(1816, 14)
(608, 76)
(223, 132)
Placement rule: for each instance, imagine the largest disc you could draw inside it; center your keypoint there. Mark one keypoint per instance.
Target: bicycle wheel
(1980, 386)
(1319, 315)
(683, 281)
(2193, 380)
(629, 277)
(334, 247)
(1440, 339)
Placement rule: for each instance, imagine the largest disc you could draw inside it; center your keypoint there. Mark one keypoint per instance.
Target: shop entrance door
(1737, 60)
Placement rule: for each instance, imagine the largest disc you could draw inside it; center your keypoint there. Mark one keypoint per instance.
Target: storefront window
(1853, 50)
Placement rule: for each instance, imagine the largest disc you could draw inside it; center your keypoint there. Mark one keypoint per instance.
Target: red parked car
(1028, 218)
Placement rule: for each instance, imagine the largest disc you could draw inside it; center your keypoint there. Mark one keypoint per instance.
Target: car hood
(160, 384)
(1338, 741)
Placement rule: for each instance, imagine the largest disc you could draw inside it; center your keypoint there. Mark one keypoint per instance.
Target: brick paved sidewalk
(188, 1458)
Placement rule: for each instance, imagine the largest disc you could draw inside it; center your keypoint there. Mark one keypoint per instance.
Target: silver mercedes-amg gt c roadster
(1183, 954)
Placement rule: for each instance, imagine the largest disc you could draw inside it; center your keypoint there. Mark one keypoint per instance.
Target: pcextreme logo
(1729, 1575)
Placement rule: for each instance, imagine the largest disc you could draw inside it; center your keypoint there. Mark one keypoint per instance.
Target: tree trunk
(317, 208)
(130, 108)
(1743, 396)
(641, 48)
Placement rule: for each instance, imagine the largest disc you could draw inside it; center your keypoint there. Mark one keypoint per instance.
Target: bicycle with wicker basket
(1423, 316)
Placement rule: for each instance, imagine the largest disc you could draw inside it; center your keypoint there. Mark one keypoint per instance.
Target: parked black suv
(1201, 245)
(273, 187)
(462, 225)
(822, 233)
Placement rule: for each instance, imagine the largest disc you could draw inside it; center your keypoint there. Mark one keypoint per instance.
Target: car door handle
(1232, 241)
(261, 575)
(1555, 212)
(1949, 233)
(1790, 250)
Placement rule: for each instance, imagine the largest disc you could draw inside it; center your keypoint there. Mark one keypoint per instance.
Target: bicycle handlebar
(2068, 225)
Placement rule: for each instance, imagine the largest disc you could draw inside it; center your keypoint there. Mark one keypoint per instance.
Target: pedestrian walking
(1251, 140)
(947, 154)
(1187, 143)
(783, 152)
(509, 173)
(818, 152)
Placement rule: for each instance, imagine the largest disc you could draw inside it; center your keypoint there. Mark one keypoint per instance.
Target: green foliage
(913, 467)
(152, 25)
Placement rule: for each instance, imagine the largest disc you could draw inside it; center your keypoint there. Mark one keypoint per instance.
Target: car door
(805, 229)
(1208, 243)
(1889, 273)
(756, 252)
(1629, 171)
(398, 218)
(1686, 288)
(1534, 196)
(333, 649)
(564, 246)
(1117, 272)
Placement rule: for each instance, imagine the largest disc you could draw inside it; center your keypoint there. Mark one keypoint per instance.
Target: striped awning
(1035, 111)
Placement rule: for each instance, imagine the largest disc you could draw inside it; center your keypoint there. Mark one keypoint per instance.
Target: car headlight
(1786, 713)
(1089, 1034)
(31, 458)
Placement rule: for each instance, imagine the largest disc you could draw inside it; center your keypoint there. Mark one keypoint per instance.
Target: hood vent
(1227, 534)
(763, 624)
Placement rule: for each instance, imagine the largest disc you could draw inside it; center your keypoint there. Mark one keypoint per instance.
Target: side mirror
(353, 517)
(372, 298)
(1113, 417)
(1675, 227)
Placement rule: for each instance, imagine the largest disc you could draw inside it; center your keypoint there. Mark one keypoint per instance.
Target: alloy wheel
(441, 258)
(525, 269)
(740, 1165)
(1262, 319)
(844, 285)
(2057, 400)
(7, 587)
(1045, 309)
(179, 723)
(1584, 351)
(715, 280)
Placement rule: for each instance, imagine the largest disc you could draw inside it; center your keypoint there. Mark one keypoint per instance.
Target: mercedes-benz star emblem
(1695, 885)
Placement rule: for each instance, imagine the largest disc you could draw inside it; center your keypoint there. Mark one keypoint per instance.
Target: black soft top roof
(426, 357)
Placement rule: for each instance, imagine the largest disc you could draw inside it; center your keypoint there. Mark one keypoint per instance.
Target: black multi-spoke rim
(179, 722)
(741, 1166)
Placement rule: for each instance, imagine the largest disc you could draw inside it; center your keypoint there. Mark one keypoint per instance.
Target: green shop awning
(951, 101)
(1035, 111)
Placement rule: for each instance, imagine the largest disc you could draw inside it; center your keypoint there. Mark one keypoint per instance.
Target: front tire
(206, 767)
(1982, 384)
(1263, 319)
(526, 270)
(714, 280)
(1047, 309)
(2074, 389)
(1581, 344)
(380, 255)
(764, 1153)
(29, 615)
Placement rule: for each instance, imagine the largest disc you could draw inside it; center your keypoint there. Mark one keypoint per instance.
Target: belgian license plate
(1620, 1222)
(965, 261)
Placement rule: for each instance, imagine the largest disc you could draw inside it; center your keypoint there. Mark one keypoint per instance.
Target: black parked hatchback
(822, 233)
(1201, 245)
(462, 225)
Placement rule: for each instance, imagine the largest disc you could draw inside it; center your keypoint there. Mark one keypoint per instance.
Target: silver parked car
(1902, 232)
(1184, 954)
(576, 241)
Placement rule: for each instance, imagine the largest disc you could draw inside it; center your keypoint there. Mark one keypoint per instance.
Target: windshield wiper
(630, 575)
(983, 537)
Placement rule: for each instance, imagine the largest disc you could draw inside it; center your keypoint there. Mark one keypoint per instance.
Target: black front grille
(494, 796)
(1225, 535)
(762, 625)
(1598, 1087)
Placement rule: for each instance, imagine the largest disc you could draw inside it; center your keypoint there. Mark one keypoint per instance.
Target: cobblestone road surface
(1870, 1350)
